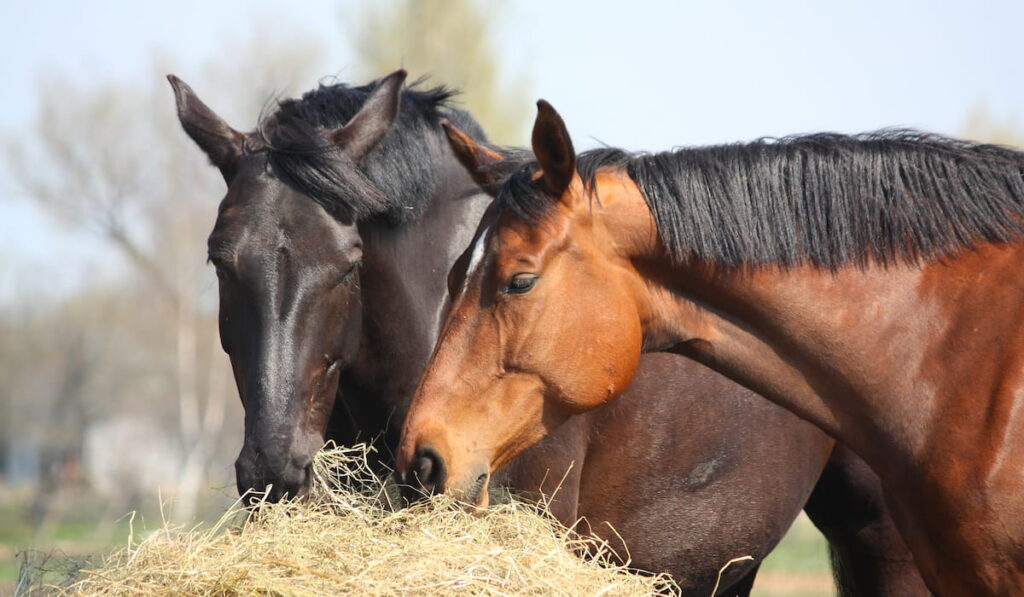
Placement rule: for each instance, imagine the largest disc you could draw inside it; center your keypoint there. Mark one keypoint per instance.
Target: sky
(637, 74)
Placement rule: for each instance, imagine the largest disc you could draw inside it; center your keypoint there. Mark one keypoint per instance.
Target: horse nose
(292, 482)
(289, 477)
(428, 470)
(246, 477)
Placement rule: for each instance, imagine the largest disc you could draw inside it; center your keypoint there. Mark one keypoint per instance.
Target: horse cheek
(608, 374)
(624, 358)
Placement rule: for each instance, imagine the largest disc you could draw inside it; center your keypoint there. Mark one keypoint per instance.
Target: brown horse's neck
(851, 350)
(811, 341)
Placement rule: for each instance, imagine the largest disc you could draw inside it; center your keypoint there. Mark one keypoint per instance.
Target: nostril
(423, 469)
(428, 469)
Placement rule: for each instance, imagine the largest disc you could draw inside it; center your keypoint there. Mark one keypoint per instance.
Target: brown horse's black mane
(893, 196)
(396, 179)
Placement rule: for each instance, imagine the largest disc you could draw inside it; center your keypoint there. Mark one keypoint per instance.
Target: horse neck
(403, 282)
(793, 335)
(851, 350)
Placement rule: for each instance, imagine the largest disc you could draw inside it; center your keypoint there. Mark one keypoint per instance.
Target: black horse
(344, 212)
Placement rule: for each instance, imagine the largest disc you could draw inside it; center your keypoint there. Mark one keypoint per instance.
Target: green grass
(69, 536)
(14, 524)
(802, 550)
(81, 526)
(8, 574)
(801, 557)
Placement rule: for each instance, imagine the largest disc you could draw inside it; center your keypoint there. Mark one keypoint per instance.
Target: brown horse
(341, 217)
(873, 285)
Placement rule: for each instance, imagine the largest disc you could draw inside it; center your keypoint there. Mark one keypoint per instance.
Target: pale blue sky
(633, 73)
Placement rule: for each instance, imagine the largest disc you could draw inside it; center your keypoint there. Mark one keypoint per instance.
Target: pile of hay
(344, 541)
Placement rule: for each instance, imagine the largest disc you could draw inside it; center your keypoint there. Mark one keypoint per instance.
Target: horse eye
(345, 277)
(220, 269)
(521, 283)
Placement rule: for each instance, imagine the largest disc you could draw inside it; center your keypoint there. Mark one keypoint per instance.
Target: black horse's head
(288, 273)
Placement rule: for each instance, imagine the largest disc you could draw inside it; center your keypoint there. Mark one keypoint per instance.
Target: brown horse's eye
(521, 283)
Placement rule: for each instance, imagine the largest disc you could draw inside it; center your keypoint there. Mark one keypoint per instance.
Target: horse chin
(479, 507)
(483, 495)
(256, 489)
(476, 497)
(482, 502)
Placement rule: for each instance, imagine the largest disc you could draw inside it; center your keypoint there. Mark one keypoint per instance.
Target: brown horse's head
(288, 282)
(544, 321)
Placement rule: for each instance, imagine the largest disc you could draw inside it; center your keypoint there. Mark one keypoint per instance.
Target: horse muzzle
(273, 479)
(428, 475)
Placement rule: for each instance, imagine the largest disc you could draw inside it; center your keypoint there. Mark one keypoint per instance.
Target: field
(74, 532)
(799, 567)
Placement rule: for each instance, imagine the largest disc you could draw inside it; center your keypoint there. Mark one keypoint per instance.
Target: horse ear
(221, 143)
(373, 120)
(475, 157)
(553, 148)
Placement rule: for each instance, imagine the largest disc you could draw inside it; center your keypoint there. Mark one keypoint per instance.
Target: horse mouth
(477, 494)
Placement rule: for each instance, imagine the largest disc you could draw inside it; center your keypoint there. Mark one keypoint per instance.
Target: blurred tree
(110, 158)
(981, 125)
(451, 42)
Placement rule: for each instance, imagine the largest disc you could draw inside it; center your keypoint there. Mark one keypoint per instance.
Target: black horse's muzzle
(273, 479)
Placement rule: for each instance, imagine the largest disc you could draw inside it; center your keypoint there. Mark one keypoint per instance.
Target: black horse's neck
(404, 290)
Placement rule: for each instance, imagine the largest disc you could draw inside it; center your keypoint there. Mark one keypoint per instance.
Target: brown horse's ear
(221, 143)
(372, 121)
(553, 148)
(475, 157)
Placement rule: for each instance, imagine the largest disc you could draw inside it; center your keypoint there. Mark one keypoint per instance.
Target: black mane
(826, 199)
(396, 179)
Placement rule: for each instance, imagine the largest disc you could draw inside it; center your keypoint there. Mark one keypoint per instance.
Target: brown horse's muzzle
(427, 474)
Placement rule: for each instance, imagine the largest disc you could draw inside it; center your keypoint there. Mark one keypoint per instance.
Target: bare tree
(981, 125)
(109, 158)
(450, 41)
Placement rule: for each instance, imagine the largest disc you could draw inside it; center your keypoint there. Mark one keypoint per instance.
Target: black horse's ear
(553, 148)
(475, 157)
(373, 120)
(221, 143)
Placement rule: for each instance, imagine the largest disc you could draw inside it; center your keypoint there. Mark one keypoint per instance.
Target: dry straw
(345, 541)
